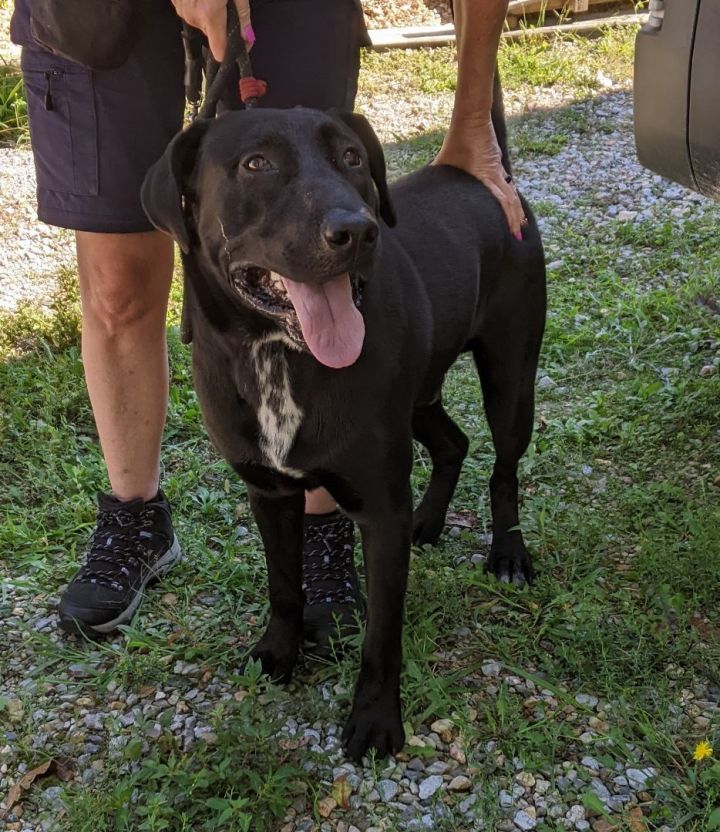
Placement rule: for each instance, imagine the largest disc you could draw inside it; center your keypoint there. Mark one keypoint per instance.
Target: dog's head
(285, 207)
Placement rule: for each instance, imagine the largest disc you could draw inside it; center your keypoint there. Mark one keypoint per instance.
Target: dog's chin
(262, 290)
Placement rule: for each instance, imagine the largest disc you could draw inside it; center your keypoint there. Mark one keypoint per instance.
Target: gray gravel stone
(620, 780)
(44, 623)
(541, 786)
(94, 722)
(388, 790)
(52, 796)
(545, 383)
(617, 802)
(524, 821)
(591, 763)
(600, 789)
(506, 799)
(638, 778)
(466, 805)
(490, 668)
(429, 786)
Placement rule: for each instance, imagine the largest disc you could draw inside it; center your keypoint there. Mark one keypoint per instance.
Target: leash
(216, 79)
(217, 74)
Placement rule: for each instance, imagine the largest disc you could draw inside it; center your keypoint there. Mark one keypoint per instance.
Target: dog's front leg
(376, 717)
(280, 520)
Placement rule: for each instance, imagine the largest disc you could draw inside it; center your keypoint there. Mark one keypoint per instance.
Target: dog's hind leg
(280, 521)
(447, 446)
(507, 374)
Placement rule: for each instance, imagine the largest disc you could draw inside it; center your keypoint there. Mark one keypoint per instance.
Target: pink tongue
(331, 324)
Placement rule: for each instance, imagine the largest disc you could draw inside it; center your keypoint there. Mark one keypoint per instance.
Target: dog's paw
(427, 526)
(277, 659)
(378, 726)
(510, 561)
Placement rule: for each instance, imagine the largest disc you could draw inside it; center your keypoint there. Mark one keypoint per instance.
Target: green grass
(564, 61)
(13, 107)
(621, 509)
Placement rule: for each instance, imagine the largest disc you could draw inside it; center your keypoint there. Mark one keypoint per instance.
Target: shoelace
(328, 569)
(117, 542)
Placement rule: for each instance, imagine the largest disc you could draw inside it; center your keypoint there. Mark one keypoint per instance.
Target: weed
(13, 106)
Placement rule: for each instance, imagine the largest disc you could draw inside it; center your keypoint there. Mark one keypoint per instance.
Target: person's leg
(124, 285)
(94, 135)
(319, 502)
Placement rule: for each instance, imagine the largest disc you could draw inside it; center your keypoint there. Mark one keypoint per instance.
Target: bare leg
(124, 285)
(319, 501)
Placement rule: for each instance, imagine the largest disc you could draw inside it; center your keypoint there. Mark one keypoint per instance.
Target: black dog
(292, 272)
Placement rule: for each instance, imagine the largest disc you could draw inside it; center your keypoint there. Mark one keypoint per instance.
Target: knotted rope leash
(216, 78)
(218, 75)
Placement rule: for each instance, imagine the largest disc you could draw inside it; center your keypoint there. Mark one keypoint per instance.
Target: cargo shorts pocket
(63, 123)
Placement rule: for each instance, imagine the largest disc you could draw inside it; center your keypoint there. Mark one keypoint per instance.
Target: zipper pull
(48, 93)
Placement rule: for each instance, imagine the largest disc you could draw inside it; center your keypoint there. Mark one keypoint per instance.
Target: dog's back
(467, 263)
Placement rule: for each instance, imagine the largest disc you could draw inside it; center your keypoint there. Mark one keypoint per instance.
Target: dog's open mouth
(323, 318)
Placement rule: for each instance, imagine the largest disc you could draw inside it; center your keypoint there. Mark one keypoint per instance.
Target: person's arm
(210, 16)
(470, 143)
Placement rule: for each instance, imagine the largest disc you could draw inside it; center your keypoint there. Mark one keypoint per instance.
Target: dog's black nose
(346, 229)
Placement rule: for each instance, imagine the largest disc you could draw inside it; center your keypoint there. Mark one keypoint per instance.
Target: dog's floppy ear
(362, 128)
(162, 191)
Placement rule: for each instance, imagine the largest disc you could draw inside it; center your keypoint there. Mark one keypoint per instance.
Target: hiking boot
(133, 545)
(333, 601)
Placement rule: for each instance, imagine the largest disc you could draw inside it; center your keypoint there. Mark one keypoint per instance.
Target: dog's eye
(258, 163)
(352, 158)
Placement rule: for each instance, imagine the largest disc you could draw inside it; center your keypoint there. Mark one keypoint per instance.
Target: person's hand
(210, 16)
(473, 147)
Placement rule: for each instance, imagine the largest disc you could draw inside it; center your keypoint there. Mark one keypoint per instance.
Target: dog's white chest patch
(278, 414)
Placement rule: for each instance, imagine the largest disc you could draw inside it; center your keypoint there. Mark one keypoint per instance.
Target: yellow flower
(703, 750)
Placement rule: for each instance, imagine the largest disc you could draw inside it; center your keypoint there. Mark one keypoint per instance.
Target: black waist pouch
(98, 34)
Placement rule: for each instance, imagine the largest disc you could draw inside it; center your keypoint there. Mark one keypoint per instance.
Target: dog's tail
(497, 115)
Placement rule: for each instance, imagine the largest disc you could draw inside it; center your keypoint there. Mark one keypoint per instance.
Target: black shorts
(94, 134)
